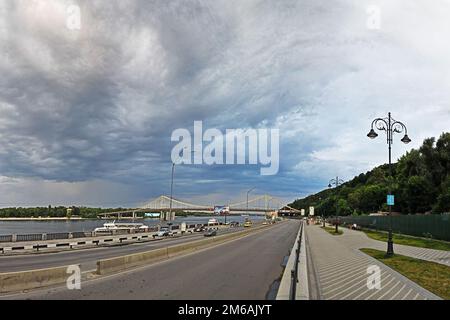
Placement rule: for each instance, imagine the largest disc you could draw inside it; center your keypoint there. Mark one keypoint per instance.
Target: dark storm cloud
(100, 103)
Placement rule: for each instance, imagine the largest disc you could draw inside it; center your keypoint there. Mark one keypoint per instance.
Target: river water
(26, 227)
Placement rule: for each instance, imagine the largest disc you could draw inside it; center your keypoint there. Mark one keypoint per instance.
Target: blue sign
(390, 200)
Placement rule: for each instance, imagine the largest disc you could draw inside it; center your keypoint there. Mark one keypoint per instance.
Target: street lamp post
(323, 217)
(336, 182)
(171, 187)
(171, 192)
(250, 190)
(390, 126)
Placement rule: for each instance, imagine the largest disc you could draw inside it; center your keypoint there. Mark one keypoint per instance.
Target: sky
(87, 110)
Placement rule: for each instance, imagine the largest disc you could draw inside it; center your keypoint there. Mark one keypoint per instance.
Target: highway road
(88, 257)
(241, 269)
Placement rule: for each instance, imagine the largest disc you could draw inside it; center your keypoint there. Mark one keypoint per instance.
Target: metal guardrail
(7, 238)
(29, 237)
(294, 271)
(79, 234)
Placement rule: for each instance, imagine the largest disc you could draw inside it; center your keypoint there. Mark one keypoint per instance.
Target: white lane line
(404, 297)
(398, 292)
(359, 283)
(342, 270)
(333, 266)
(383, 286)
(389, 291)
(383, 273)
(361, 273)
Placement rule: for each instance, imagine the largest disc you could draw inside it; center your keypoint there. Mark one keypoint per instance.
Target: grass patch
(432, 276)
(410, 241)
(332, 230)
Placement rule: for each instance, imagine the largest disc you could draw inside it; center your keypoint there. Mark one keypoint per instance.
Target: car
(234, 224)
(266, 223)
(210, 233)
(200, 229)
(355, 227)
(163, 232)
(247, 224)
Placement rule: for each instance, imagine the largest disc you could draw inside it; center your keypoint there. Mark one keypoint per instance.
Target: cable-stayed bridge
(258, 204)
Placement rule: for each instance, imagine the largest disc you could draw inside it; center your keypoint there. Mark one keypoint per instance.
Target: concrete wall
(23, 280)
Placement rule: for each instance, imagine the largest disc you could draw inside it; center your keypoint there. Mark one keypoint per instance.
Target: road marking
(392, 288)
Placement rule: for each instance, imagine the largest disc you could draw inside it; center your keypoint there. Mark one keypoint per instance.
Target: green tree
(418, 195)
(443, 200)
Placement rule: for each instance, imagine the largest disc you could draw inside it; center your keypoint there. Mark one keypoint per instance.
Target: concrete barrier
(67, 244)
(302, 286)
(108, 266)
(25, 280)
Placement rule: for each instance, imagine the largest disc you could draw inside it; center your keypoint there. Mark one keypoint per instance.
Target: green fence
(436, 226)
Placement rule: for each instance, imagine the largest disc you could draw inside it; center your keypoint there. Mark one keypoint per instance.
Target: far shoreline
(45, 219)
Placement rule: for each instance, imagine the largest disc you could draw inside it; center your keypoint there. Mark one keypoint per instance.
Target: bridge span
(261, 204)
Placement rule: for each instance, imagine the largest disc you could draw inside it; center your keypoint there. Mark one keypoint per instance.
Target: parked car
(210, 233)
(355, 227)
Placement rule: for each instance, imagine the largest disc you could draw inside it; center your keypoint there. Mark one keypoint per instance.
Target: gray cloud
(97, 106)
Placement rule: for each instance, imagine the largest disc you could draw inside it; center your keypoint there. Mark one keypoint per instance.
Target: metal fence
(29, 237)
(6, 238)
(294, 271)
(436, 226)
(57, 236)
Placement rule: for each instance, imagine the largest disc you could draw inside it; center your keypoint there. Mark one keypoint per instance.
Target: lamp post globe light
(390, 126)
(336, 182)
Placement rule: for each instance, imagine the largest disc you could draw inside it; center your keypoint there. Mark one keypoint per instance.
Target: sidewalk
(358, 240)
(341, 270)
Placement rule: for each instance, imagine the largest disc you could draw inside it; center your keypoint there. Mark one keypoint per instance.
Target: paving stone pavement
(358, 240)
(341, 271)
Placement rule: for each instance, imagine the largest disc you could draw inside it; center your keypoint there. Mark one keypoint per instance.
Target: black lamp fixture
(372, 134)
(406, 139)
(390, 126)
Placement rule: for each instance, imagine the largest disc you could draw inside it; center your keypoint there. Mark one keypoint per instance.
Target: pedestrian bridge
(259, 204)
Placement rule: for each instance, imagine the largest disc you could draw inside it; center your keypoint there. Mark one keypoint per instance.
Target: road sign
(303, 212)
(311, 211)
(390, 200)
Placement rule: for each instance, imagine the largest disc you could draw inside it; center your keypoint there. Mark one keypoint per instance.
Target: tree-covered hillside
(421, 183)
(59, 212)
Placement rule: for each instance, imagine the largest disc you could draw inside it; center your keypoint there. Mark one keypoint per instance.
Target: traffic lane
(88, 257)
(241, 269)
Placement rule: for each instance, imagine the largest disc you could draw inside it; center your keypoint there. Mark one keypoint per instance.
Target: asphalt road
(241, 269)
(87, 258)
